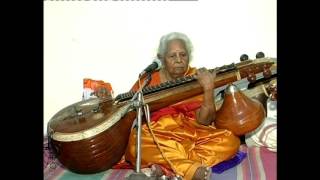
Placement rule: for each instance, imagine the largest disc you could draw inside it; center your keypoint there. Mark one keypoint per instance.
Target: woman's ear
(159, 56)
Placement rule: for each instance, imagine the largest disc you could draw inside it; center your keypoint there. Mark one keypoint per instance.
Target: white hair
(164, 41)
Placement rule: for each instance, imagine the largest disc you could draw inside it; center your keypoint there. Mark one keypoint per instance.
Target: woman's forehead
(176, 45)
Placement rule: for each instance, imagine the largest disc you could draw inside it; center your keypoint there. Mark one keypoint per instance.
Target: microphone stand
(138, 104)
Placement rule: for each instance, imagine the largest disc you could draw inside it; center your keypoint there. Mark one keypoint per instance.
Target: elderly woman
(189, 142)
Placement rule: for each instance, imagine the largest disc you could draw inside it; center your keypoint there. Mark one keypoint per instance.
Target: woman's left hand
(205, 78)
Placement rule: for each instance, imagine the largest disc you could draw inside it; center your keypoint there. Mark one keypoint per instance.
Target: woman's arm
(207, 112)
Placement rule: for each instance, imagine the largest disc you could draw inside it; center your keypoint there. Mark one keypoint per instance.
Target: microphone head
(156, 65)
(159, 63)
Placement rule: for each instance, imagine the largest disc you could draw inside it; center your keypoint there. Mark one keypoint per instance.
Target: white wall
(114, 40)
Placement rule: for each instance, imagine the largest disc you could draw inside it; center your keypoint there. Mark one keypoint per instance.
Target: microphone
(156, 65)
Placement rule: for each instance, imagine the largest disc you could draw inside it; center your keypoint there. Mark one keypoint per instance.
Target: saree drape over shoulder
(183, 141)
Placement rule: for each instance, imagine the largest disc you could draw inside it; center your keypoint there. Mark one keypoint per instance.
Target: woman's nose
(179, 58)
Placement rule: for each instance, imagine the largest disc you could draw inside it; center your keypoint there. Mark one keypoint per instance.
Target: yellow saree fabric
(183, 141)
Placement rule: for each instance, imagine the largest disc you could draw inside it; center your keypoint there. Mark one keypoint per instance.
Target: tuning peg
(259, 55)
(244, 57)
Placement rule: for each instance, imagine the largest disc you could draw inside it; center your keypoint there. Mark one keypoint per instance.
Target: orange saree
(185, 143)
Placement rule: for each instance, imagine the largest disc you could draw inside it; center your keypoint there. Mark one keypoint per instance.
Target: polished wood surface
(80, 116)
(239, 113)
(96, 153)
(163, 98)
(256, 91)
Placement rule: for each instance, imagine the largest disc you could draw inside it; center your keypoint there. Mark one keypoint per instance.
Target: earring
(187, 71)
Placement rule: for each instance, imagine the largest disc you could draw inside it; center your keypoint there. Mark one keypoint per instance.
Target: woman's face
(176, 59)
